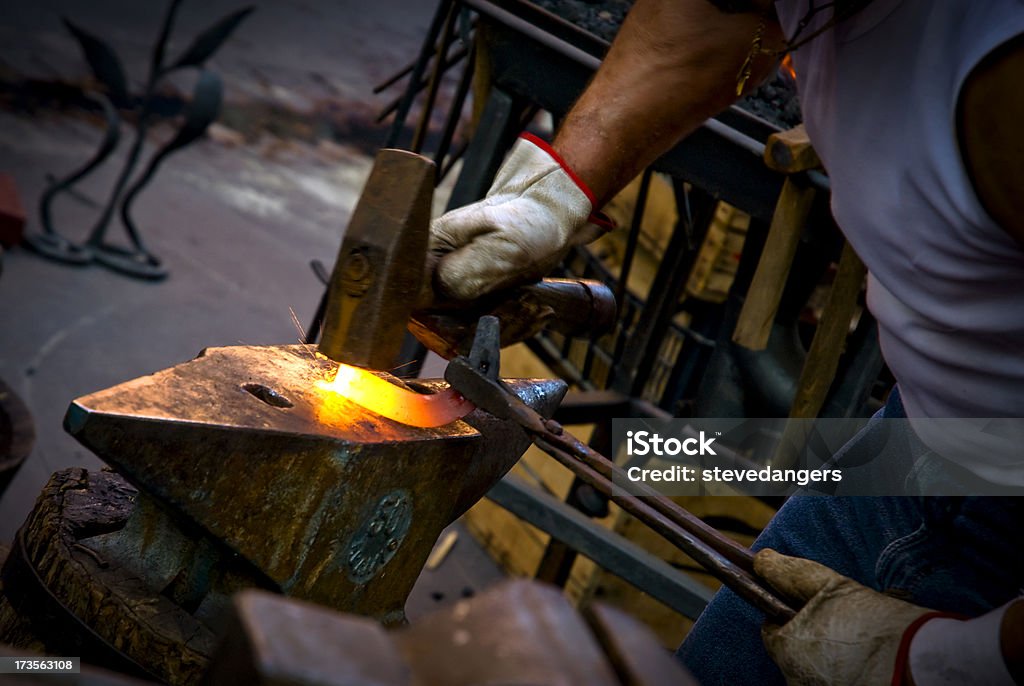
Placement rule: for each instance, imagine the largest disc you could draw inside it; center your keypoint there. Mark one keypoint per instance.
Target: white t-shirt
(879, 94)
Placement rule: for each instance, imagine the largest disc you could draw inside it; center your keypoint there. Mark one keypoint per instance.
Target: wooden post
(823, 357)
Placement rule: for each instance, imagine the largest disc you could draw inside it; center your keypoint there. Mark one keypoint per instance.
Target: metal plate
(380, 536)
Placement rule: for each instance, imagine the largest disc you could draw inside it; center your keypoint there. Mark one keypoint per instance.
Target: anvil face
(252, 389)
(331, 502)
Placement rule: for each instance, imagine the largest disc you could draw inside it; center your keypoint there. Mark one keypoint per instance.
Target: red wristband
(596, 217)
(546, 147)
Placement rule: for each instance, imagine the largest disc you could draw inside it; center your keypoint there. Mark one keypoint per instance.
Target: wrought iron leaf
(156, 62)
(201, 112)
(207, 42)
(104, 62)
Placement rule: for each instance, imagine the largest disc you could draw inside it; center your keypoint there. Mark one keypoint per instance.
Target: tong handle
(476, 378)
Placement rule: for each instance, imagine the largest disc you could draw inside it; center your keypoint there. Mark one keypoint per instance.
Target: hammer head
(381, 263)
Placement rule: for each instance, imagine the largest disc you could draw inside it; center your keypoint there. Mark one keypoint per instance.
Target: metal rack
(533, 60)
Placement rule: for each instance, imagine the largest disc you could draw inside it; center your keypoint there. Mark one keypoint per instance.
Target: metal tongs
(476, 378)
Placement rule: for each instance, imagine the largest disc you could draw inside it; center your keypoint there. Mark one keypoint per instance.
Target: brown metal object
(519, 632)
(318, 494)
(272, 641)
(574, 307)
(379, 272)
(791, 152)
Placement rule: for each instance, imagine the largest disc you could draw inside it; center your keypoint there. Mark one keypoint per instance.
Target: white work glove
(534, 213)
(953, 652)
(844, 634)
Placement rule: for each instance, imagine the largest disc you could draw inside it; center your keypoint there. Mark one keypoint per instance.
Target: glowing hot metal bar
(378, 395)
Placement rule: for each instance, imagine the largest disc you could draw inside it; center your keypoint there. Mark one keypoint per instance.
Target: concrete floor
(236, 223)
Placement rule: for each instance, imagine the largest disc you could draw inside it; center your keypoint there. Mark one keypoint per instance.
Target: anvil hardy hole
(268, 395)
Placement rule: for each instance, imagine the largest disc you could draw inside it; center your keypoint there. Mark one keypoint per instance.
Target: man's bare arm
(673, 65)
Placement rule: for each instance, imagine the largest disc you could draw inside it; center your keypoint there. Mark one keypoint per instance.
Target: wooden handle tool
(789, 152)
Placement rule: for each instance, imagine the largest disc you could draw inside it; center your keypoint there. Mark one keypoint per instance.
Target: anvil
(256, 467)
(324, 499)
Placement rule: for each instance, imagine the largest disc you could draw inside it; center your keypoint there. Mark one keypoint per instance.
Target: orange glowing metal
(368, 390)
(787, 65)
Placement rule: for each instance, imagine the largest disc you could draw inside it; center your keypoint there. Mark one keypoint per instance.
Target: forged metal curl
(134, 260)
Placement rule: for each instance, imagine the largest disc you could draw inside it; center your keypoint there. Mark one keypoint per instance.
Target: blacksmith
(915, 108)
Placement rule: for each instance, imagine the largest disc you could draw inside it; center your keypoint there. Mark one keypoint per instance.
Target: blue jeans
(957, 554)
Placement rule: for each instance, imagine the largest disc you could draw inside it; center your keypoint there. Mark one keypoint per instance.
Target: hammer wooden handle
(580, 305)
(574, 307)
(823, 358)
(791, 152)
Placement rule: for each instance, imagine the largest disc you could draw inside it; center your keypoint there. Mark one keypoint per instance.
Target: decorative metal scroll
(134, 259)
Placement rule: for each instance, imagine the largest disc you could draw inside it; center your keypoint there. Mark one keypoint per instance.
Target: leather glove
(535, 211)
(844, 633)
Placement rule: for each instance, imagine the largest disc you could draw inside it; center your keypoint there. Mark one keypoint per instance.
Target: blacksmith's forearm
(673, 65)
